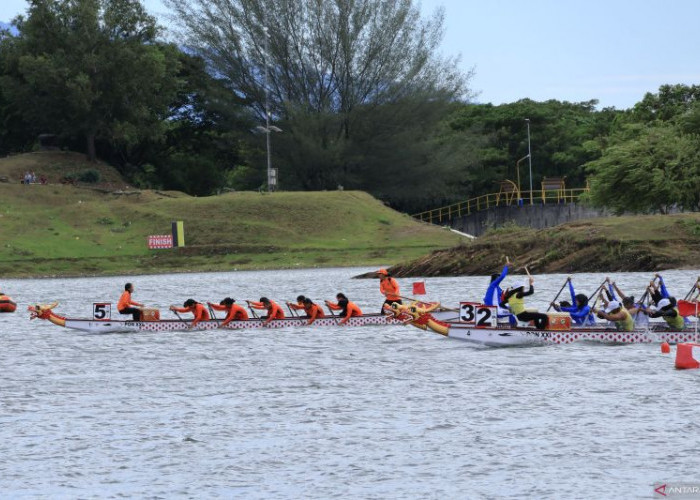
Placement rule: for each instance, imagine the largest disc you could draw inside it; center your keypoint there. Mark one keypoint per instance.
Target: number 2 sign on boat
(480, 315)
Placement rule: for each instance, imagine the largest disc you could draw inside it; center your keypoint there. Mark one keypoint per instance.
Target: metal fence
(486, 201)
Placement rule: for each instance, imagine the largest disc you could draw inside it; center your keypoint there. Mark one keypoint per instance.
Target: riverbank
(101, 229)
(608, 244)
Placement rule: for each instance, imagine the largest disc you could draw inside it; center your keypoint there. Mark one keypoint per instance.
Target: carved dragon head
(41, 310)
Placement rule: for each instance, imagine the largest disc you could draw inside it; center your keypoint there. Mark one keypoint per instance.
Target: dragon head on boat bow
(44, 311)
(420, 317)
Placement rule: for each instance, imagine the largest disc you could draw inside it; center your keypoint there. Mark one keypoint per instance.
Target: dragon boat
(479, 324)
(153, 323)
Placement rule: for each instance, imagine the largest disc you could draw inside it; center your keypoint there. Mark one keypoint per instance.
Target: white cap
(664, 303)
(612, 305)
(526, 284)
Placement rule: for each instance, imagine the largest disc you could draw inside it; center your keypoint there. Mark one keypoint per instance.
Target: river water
(374, 412)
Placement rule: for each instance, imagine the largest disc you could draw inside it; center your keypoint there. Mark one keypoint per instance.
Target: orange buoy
(684, 357)
(6, 304)
(665, 348)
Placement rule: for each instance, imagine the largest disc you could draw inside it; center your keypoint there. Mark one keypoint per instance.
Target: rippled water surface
(374, 412)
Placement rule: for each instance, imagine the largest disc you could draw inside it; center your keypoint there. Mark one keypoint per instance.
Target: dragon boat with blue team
(479, 324)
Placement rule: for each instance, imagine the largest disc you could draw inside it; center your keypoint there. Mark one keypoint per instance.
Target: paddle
(213, 316)
(177, 314)
(641, 303)
(598, 291)
(558, 293)
(252, 310)
(292, 311)
(211, 311)
(690, 293)
(333, 314)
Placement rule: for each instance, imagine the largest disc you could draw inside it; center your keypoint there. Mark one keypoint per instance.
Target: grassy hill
(628, 243)
(60, 230)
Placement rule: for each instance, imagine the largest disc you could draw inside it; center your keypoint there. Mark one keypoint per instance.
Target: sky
(614, 51)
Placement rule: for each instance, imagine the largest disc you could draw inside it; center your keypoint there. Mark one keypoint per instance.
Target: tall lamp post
(517, 168)
(529, 155)
(267, 129)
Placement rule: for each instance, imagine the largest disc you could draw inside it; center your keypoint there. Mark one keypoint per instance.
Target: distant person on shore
(347, 309)
(192, 306)
(388, 287)
(274, 311)
(514, 299)
(27, 177)
(233, 311)
(126, 303)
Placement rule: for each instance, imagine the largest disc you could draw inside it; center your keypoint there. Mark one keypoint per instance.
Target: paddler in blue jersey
(578, 309)
(494, 293)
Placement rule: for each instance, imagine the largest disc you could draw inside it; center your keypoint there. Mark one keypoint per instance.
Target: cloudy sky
(571, 50)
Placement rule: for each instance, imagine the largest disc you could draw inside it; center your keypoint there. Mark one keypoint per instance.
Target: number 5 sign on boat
(102, 310)
(480, 315)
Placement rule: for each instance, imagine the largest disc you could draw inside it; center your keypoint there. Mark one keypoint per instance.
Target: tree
(656, 170)
(204, 137)
(671, 102)
(560, 132)
(90, 68)
(334, 76)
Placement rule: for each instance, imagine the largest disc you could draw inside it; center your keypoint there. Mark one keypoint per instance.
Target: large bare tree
(323, 68)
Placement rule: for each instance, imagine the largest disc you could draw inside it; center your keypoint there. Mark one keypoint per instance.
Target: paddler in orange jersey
(312, 310)
(192, 306)
(274, 311)
(234, 311)
(347, 309)
(389, 287)
(125, 304)
(299, 306)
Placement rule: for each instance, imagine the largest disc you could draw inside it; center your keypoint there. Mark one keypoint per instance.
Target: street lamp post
(529, 155)
(517, 168)
(267, 129)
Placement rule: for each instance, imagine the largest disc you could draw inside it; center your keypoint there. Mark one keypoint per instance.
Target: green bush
(90, 176)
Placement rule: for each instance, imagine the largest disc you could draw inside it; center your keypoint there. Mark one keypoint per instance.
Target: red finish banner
(160, 241)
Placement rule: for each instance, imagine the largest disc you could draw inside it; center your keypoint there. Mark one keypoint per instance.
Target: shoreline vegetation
(100, 229)
(607, 244)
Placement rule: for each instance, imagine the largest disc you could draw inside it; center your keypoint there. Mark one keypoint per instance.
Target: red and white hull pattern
(505, 337)
(480, 324)
(114, 326)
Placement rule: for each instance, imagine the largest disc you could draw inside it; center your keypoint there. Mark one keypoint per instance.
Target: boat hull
(119, 326)
(523, 337)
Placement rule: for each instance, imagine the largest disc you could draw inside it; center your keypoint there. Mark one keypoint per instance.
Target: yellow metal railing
(486, 201)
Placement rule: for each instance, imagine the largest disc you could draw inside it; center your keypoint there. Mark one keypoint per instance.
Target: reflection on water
(361, 412)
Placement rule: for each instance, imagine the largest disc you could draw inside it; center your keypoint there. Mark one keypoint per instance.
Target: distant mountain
(8, 26)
